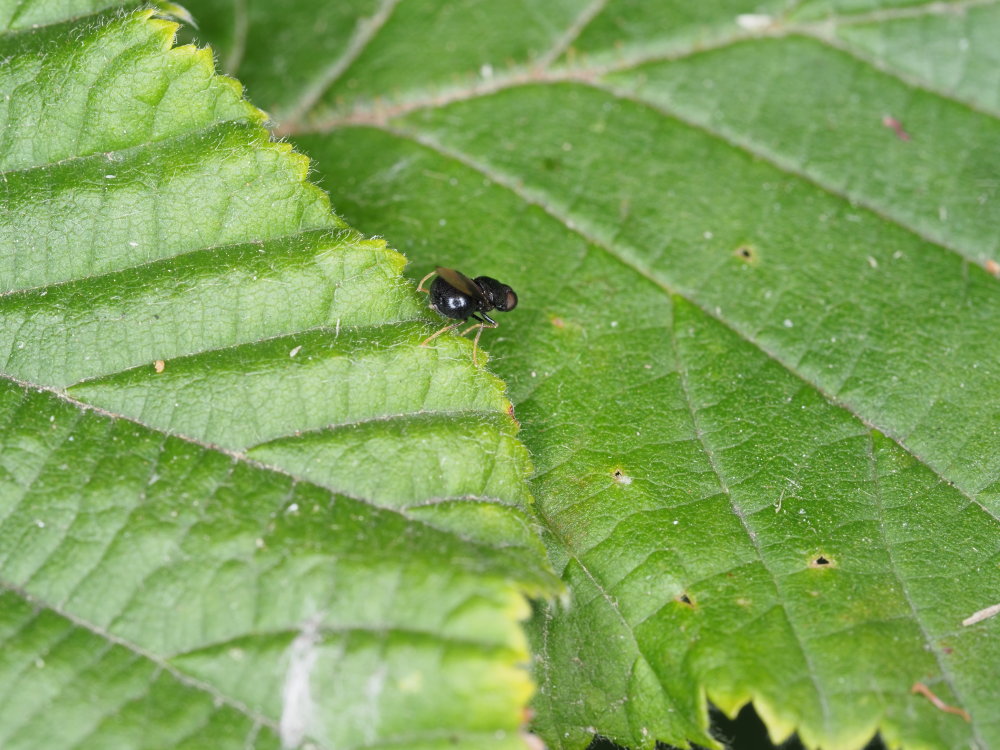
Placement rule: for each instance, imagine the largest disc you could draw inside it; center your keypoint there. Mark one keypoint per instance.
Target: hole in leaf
(745, 732)
(821, 562)
(685, 599)
(746, 252)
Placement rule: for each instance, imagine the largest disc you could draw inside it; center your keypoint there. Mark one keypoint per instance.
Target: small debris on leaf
(921, 689)
(621, 477)
(983, 614)
(754, 21)
(896, 126)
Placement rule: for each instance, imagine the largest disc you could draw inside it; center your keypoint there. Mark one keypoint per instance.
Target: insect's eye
(511, 302)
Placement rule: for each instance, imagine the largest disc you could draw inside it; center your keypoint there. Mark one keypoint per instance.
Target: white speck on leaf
(293, 508)
(294, 351)
(981, 615)
(788, 323)
(753, 21)
(296, 695)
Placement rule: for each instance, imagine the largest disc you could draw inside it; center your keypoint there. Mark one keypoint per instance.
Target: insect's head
(501, 296)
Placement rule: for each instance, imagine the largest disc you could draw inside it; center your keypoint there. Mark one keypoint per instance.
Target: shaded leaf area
(871, 67)
(754, 357)
(155, 591)
(204, 554)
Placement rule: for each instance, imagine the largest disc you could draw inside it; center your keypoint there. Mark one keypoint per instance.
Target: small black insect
(456, 296)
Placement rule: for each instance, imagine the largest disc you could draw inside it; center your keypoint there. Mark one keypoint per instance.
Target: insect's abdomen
(450, 302)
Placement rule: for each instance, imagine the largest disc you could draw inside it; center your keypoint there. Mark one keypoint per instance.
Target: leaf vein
(894, 569)
(108, 637)
(629, 259)
(750, 532)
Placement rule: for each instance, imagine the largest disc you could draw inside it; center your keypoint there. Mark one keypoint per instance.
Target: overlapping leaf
(210, 384)
(755, 357)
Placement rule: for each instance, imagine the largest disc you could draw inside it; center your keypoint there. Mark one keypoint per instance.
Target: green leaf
(755, 358)
(240, 505)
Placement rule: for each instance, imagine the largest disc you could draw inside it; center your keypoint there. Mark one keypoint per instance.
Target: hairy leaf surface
(240, 506)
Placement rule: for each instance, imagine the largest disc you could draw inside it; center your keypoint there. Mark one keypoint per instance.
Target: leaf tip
(174, 11)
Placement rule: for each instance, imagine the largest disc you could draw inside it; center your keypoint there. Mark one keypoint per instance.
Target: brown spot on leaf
(159, 365)
(746, 252)
(992, 268)
(621, 477)
(510, 413)
(821, 561)
(896, 126)
(685, 599)
(559, 322)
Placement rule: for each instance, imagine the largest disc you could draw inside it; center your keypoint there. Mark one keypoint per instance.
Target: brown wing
(462, 283)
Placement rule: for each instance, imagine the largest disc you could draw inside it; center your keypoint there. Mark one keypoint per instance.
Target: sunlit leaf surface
(240, 506)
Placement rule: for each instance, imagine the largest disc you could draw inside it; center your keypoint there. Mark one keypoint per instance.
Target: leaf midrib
(382, 115)
(541, 70)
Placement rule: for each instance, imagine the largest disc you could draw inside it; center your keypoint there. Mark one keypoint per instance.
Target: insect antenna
(420, 286)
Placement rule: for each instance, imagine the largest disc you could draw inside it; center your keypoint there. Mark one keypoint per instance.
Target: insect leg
(475, 341)
(420, 286)
(480, 325)
(433, 336)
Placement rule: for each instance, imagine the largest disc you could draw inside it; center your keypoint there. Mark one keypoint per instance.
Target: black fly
(456, 296)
